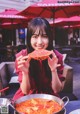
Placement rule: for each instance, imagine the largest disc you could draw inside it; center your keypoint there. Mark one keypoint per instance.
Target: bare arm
(57, 85)
(23, 65)
(25, 84)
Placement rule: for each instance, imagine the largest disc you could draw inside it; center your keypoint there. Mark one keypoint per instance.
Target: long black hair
(43, 25)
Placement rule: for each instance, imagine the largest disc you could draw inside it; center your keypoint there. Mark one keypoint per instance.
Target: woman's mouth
(39, 47)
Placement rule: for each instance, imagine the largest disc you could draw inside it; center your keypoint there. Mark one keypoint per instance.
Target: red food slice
(40, 54)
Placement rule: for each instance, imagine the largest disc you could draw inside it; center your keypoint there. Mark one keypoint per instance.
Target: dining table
(72, 105)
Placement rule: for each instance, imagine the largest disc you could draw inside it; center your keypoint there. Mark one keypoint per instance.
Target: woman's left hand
(53, 62)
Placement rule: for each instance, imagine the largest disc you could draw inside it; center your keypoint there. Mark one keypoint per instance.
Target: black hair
(42, 24)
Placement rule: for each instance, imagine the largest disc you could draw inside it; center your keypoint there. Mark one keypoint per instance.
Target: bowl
(4, 102)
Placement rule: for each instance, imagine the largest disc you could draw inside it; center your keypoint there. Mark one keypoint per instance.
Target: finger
(54, 55)
(19, 58)
(25, 58)
(20, 66)
(58, 65)
(28, 60)
(22, 59)
(21, 62)
(49, 59)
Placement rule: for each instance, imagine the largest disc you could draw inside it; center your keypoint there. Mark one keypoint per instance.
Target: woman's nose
(39, 41)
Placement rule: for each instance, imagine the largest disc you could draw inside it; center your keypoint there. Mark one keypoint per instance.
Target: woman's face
(39, 41)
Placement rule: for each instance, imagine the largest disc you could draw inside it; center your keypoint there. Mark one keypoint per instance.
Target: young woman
(39, 76)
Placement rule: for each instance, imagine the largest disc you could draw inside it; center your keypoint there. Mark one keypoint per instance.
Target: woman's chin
(39, 48)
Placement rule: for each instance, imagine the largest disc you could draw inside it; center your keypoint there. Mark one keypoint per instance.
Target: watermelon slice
(40, 54)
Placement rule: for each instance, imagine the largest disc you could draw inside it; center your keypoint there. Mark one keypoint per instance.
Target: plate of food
(77, 111)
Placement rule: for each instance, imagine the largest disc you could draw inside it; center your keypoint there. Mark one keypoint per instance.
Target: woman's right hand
(23, 63)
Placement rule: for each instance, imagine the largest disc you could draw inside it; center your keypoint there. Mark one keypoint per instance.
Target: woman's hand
(23, 63)
(53, 62)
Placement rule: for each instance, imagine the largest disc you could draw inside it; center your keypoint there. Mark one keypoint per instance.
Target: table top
(72, 105)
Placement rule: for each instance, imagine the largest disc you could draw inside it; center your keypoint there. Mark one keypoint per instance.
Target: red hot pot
(63, 102)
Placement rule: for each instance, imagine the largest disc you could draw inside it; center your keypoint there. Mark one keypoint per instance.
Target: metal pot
(63, 102)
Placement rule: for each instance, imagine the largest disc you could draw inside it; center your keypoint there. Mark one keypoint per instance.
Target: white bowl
(4, 102)
(77, 111)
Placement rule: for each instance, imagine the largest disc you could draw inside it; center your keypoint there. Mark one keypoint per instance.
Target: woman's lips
(39, 47)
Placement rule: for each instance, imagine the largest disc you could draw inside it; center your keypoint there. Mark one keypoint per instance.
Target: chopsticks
(4, 89)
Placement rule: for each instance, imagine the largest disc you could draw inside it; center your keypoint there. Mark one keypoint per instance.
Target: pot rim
(44, 96)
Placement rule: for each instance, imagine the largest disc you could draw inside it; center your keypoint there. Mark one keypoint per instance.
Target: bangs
(41, 29)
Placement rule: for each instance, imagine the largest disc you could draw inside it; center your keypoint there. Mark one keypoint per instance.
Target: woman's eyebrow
(39, 34)
(44, 34)
(35, 34)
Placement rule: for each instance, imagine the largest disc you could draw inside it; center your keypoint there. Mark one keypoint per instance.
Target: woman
(39, 76)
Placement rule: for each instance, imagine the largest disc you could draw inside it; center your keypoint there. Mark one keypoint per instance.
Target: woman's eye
(35, 36)
(45, 36)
